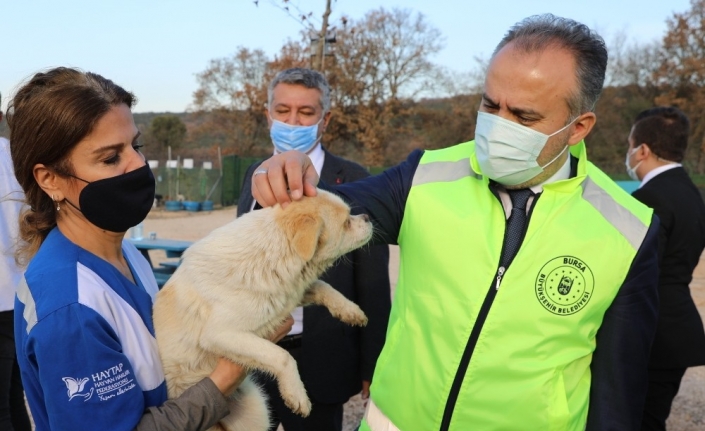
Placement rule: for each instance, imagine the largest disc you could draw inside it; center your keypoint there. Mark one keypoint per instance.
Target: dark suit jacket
(680, 340)
(336, 357)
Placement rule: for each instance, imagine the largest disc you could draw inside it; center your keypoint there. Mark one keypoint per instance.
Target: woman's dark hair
(48, 116)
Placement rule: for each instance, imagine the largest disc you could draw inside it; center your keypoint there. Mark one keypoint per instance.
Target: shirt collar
(661, 169)
(563, 173)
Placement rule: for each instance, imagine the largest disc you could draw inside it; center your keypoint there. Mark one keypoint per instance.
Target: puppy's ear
(303, 234)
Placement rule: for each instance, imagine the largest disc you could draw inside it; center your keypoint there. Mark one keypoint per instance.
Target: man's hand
(365, 389)
(284, 177)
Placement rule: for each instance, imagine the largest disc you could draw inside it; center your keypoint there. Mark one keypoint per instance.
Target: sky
(155, 48)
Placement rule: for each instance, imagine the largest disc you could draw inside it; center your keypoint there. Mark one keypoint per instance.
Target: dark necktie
(516, 224)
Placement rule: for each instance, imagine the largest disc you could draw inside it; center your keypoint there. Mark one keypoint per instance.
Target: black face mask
(118, 203)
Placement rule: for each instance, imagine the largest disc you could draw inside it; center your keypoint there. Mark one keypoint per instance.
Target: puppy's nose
(365, 217)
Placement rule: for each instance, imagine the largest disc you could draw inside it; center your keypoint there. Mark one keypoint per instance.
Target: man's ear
(326, 120)
(582, 127)
(48, 180)
(269, 117)
(645, 151)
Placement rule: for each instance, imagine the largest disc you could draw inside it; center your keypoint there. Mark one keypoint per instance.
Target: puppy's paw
(302, 408)
(297, 400)
(352, 315)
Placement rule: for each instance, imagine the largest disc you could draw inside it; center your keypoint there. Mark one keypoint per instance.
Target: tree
(234, 82)
(629, 89)
(166, 131)
(381, 68)
(381, 63)
(230, 100)
(681, 76)
(632, 64)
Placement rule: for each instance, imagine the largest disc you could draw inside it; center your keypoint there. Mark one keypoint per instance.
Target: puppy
(236, 286)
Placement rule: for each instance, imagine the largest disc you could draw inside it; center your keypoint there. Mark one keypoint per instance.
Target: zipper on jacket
(500, 273)
(467, 354)
(479, 323)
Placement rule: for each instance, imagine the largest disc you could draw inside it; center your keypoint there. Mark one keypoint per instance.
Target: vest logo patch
(564, 285)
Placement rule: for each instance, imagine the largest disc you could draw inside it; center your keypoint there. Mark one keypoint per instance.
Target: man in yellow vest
(527, 288)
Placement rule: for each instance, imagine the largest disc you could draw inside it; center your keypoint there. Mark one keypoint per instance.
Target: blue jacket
(85, 339)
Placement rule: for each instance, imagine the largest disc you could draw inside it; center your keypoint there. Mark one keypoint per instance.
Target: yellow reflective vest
(472, 347)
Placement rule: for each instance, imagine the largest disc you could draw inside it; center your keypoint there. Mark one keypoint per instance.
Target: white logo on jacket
(75, 387)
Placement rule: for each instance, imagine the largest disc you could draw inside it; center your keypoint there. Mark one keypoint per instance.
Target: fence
(196, 184)
(199, 184)
(234, 168)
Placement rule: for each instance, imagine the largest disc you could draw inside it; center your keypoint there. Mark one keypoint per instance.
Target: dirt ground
(688, 412)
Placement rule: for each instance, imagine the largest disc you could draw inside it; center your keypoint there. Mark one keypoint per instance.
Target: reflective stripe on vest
(443, 172)
(621, 218)
(376, 420)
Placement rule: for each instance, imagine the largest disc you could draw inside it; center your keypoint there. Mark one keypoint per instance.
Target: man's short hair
(665, 130)
(308, 78)
(539, 32)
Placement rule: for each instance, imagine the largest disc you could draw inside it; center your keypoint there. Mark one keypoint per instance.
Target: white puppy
(238, 284)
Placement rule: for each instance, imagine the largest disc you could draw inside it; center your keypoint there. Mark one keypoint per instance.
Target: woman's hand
(228, 375)
(282, 330)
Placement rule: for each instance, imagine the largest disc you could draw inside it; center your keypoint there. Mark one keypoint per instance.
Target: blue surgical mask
(507, 151)
(632, 171)
(287, 137)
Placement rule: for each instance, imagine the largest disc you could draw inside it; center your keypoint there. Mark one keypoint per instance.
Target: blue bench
(161, 276)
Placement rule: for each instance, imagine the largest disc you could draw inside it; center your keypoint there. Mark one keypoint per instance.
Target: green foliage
(165, 131)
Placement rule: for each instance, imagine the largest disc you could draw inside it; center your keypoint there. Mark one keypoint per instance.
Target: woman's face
(111, 149)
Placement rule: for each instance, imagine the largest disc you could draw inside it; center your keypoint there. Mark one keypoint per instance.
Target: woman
(84, 332)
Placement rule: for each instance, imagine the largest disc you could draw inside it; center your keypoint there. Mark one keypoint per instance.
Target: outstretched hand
(284, 177)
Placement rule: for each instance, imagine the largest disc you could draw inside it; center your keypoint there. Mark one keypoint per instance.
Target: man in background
(657, 144)
(335, 360)
(13, 413)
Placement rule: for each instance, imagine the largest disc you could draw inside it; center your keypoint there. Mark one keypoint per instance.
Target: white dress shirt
(563, 173)
(661, 169)
(11, 203)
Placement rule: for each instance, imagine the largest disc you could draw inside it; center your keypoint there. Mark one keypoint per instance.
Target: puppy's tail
(248, 409)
